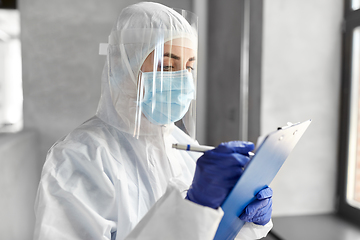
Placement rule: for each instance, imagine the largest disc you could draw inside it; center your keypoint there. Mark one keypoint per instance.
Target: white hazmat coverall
(100, 182)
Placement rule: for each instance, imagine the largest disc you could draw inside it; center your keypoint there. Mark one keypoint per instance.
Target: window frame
(351, 22)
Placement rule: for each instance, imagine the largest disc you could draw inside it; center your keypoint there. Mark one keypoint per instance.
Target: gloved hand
(259, 211)
(217, 172)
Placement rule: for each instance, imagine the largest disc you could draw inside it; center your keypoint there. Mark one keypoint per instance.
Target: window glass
(355, 4)
(11, 97)
(353, 181)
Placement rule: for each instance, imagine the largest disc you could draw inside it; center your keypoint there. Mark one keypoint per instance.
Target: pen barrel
(200, 148)
(194, 148)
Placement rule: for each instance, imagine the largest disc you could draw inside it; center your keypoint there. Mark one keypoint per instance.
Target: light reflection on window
(353, 179)
(11, 97)
(355, 4)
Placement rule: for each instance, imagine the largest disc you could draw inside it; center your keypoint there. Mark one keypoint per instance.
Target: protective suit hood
(138, 30)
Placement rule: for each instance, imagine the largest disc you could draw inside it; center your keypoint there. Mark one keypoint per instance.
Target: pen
(194, 148)
(198, 148)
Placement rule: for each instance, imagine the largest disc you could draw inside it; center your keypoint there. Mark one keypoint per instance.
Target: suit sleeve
(173, 217)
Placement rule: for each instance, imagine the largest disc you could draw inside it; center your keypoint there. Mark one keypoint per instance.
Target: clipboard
(270, 155)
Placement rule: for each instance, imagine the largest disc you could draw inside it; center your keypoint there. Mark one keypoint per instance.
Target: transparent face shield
(167, 85)
(152, 70)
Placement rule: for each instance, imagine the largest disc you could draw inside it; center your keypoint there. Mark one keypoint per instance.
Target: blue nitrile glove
(259, 211)
(217, 172)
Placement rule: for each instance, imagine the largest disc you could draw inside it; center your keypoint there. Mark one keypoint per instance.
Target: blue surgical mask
(167, 95)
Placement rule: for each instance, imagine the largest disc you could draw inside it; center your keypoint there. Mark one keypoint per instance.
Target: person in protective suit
(116, 176)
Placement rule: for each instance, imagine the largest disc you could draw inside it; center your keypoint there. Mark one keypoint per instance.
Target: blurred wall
(301, 80)
(18, 184)
(234, 58)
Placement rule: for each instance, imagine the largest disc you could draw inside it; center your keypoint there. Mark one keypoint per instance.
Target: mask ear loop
(139, 100)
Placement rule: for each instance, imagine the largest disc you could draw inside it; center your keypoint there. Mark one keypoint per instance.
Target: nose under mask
(167, 95)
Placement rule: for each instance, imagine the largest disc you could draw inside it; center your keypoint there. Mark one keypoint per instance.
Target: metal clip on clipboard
(259, 173)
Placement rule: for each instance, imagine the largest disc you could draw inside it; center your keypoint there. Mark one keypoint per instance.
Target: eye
(190, 68)
(166, 68)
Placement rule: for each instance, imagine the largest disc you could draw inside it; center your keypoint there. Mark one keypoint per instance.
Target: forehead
(183, 47)
(181, 52)
(182, 42)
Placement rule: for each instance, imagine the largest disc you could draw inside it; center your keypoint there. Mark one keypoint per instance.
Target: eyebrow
(170, 55)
